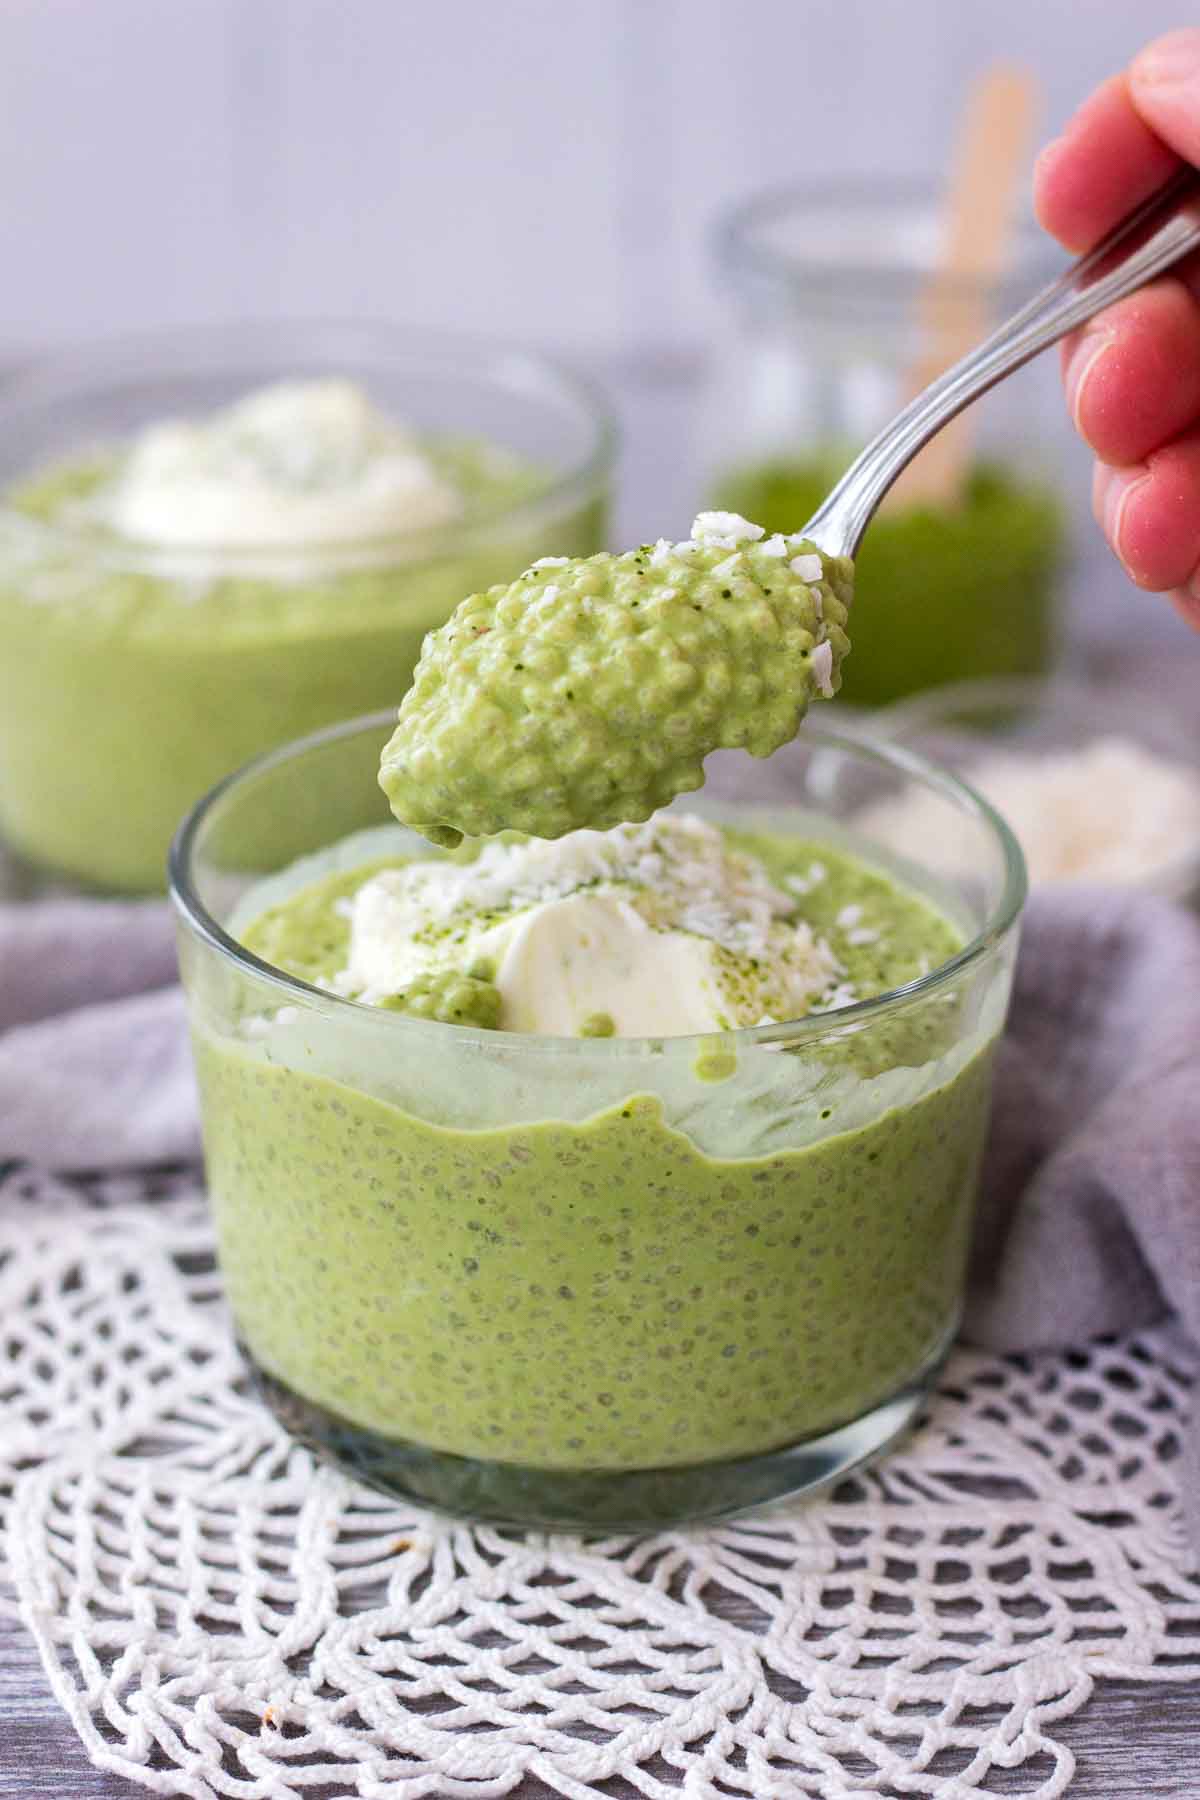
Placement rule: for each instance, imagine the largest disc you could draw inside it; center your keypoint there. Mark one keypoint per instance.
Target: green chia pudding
(587, 693)
(950, 593)
(619, 1256)
(173, 605)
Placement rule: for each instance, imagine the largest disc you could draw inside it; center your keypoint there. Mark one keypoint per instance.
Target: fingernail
(1080, 369)
(1119, 490)
(1169, 61)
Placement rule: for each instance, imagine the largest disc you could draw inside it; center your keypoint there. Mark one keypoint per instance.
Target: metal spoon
(1151, 238)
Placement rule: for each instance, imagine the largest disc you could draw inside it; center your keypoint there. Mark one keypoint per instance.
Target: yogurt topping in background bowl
(294, 463)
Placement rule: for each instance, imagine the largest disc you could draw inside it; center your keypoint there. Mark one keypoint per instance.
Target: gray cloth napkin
(1090, 1215)
(95, 1071)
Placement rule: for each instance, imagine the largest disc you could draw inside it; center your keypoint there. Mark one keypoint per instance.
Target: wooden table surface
(1132, 1739)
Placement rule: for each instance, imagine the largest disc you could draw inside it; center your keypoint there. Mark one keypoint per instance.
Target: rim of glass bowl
(743, 252)
(1002, 918)
(216, 349)
(1059, 695)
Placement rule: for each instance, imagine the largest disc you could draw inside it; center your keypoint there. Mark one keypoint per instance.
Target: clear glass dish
(829, 318)
(584, 1282)
(133, 677)
(965, 724)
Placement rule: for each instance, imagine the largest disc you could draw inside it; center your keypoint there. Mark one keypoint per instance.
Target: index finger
(1107, 161)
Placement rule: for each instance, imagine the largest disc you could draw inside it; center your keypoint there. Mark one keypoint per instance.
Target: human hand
(1132, 374)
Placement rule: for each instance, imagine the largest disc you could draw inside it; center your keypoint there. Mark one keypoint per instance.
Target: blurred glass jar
(831, 316)
(134, 675)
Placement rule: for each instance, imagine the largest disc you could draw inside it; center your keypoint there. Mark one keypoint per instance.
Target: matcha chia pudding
(610, 1178)
(212, 544)
(607, 681)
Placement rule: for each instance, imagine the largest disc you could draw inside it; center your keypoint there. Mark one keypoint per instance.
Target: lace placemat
(220, 1616)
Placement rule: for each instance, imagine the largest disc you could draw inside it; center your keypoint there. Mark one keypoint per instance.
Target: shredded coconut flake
(821, 663)
(804, 884)
(844, 994)
(724, 527)
(808, 567)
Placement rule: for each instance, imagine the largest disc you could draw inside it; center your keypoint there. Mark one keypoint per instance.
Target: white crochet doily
(220, 1616)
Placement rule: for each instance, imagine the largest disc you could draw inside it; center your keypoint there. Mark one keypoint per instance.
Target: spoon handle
(1147, 241)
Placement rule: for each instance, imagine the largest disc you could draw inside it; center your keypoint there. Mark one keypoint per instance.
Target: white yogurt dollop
(660, 928)
(299, 463)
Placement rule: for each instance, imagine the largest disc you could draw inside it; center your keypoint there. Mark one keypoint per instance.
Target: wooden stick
(955, 302)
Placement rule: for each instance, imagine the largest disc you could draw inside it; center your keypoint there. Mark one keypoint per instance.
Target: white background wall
(544, 168)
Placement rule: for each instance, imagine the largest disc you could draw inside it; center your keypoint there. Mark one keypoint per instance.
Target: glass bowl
(133, 677)
(583, 1282)
(1038, 728)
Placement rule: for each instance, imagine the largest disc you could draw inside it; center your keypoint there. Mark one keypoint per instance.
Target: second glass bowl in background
(133, 677)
